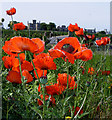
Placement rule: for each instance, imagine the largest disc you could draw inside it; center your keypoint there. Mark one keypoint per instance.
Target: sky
(85, 14)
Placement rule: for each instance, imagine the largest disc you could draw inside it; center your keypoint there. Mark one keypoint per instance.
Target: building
(34, 25)
(62, 28)
(106, 31)
(90, 30)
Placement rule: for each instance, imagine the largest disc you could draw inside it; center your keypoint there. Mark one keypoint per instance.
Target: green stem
(22, 79)
(11, 107)
(78, 67)
(34, 66)
(13, 25)
(44, 106)
(12, 19)
(78, 76)
(82, 104)
(67, 79)
(7, 110)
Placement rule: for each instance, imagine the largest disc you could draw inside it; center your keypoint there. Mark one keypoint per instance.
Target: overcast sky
(85, 14)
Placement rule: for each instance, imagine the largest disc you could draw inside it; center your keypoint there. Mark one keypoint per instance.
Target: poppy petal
(86, 55)
(73, 41)
(19, 26)
(14, 77)
(27, 76)
(80, 32)
(56, 53)
(40, 73)
(26, 65)
(19, 44)
(43, 61)
(72, 28)
(40, 44)
(12, 11)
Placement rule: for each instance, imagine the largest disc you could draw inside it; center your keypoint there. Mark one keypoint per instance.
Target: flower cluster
(74, 28)
(13, 48)
(103, 41)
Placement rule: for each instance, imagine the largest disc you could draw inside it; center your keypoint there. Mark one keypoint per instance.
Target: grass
(21, 103)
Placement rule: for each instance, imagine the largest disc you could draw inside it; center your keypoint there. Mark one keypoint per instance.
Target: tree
(43, 26)
(102, 32)
(51, 26)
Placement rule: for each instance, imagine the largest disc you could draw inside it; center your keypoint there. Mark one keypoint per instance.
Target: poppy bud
(88, 83)
(43, 79)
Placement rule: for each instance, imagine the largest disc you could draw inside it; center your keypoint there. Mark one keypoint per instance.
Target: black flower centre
(68, 48)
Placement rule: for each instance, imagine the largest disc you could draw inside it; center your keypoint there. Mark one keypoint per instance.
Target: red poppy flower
(15, 62)
(79, 32)
(44, 62)
(83, 45)
(73, 28)
(19, 26)
(15, 77)
(93, 37)
(105, 72)
(11, 61)
(19, 44)
(56, 53)
(65, 49)
(26, 65)
(54, 89)
(62, 80)
(40, 44)
(7, 49)
(12, 11)
(103, 41)
(106, 40)
(89, 36)
(52, 100)
(91, 71)
(83, 69)
(77, 109)
(7, 61)
(99, 42)
(72, 43)
(84, 54)
(22, 57)
(40, 73)
(70, 48)
(98, 108)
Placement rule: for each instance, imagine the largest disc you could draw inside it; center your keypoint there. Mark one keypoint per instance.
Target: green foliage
(51, 26)
(2, 20)
(93, 91)
(43, 26)
(10, 25)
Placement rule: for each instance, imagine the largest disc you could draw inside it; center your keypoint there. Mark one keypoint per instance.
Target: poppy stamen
(67, 48)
